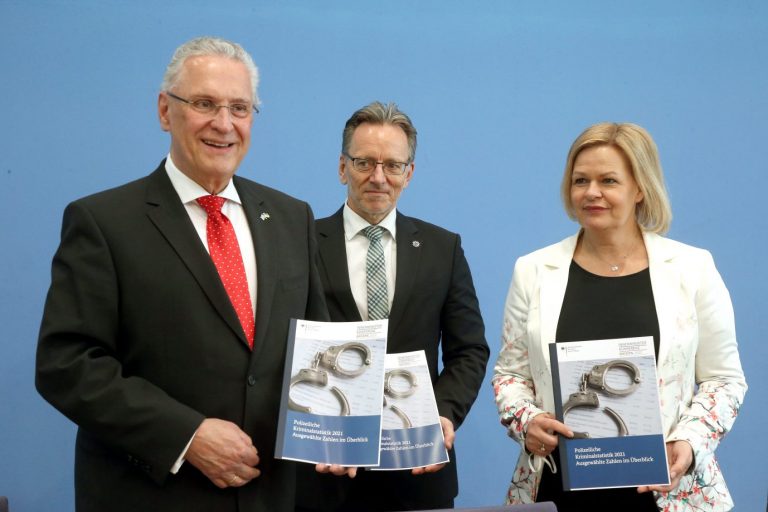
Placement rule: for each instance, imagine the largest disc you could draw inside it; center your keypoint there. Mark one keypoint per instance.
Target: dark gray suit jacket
(139, 343)
(434, 309)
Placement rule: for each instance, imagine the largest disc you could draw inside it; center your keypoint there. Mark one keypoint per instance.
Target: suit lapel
(665, 282)
(166, 212)
(553, 283)
(408, 260)
(333, 259)
(264, 239)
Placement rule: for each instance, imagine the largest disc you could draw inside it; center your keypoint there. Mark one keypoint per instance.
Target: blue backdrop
(497, 89)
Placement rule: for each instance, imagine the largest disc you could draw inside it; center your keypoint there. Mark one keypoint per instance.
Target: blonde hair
(653, 213)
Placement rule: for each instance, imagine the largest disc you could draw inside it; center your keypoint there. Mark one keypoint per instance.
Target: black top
(594, 308)
(601, 308)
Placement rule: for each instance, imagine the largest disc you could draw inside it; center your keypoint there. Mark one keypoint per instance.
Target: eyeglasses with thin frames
(208, 107)
(390, 167)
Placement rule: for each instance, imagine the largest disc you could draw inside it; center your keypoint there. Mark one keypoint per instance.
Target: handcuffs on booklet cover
(400, 414)
(317, 377)
(596, 379)
(330, 359)
(399, 372)
(393, 393)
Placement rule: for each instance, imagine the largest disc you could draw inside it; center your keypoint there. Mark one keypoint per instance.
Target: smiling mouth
(218, 144)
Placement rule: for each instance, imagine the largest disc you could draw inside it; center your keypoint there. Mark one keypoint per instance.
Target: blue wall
(497, 89)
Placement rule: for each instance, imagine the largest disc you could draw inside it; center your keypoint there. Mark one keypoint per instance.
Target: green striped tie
(376, 275)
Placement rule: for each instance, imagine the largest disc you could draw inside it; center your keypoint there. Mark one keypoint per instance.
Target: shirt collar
(354, 223)
(188, 190)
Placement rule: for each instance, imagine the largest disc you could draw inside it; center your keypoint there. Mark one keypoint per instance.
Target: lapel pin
(264, 216)
(416, 243)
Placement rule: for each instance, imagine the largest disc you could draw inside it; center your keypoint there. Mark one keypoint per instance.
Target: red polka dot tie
(225, 253)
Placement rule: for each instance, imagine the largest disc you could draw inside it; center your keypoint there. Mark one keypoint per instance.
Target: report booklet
(606, 392)
(330, 408)
(411, 433)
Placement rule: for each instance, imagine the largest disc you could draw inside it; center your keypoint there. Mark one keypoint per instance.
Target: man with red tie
(164, 331)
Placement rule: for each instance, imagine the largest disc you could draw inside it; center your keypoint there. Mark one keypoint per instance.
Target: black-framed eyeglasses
(390, 167)
(208, 107)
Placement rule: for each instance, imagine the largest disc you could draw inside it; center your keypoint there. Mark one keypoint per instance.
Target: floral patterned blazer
(701, 383)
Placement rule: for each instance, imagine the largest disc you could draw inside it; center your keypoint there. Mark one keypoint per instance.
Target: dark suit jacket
(434, 309)
(139, 343)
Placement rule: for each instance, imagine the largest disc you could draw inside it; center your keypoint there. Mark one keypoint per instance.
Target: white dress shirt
(357, 251)
(188, 191)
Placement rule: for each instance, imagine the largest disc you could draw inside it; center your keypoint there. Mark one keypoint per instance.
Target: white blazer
(701, 383)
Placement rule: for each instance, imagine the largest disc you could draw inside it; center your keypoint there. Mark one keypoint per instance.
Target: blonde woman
(618, 277)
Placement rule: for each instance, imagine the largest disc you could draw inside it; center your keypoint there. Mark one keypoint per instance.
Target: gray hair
(204, 46)
(378, 113)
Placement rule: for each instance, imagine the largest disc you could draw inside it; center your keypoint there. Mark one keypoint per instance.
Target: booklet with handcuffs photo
(606, 392)
(330, 408)
(411, 432)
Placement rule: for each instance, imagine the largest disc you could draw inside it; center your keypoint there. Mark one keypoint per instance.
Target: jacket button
(251, 380)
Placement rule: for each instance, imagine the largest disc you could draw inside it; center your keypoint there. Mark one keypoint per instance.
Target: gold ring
(543, 448)
(234, 480)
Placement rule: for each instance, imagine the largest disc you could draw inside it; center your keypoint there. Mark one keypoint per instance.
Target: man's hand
(224, 453)
(449, 435)
(680, 458)
(336, 469)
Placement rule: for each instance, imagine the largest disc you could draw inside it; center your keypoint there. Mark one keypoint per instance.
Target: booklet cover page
(411, 433)
(330, 409)
(606, 392)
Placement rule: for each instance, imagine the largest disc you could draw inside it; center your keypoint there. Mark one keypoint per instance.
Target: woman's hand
(680, 458)
(541, 437)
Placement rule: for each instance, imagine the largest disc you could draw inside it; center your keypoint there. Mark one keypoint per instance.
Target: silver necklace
(616, 267)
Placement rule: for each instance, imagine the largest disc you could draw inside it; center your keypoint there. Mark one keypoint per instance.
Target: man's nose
(222, 119)
(377, 174)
